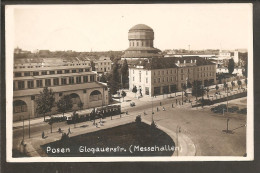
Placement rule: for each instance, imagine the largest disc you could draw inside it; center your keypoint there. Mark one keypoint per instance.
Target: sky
(105, 27)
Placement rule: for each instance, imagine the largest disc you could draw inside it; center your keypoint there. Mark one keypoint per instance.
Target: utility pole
(29, 125)
(23, 130)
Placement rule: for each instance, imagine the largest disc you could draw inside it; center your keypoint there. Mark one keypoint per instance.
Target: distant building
(103, 65)
(141, 43)
(238, 70)
(166, 75)
(77, 81)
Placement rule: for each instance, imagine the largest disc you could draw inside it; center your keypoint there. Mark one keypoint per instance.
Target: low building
(238, 70)
(167, 75)
(77, 81)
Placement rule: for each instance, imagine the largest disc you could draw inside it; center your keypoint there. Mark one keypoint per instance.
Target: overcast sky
(105, 27)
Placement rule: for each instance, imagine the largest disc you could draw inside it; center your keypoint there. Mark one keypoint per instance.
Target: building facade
(103, 65)
(77, 81)
(167, 75)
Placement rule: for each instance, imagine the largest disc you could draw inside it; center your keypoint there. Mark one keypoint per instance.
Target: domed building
(141, 43)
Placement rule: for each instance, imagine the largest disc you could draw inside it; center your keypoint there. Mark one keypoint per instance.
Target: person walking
(43, 135)
(69, 132)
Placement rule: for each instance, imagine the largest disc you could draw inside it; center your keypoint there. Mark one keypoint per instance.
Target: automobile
(132, 104)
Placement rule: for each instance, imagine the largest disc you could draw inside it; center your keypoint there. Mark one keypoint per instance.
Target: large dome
(141, 27)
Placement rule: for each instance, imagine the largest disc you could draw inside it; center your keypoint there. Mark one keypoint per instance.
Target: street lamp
(177, 140)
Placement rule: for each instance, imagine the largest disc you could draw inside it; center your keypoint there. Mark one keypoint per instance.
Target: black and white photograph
(129, 82)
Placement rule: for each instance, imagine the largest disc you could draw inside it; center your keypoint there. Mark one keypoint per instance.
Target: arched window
(19, 106)
(95, 96)
(75, 98)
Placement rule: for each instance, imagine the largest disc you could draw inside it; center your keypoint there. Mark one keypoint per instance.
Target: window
(133, 72)
(154, 81)
(26, 73)
(85, 79)
(146, 80)
(63, 81)
(80, 70)
(133, 78)
(47, 82)
(59, 72)
(137, 44)
(171, 71)
(35, 73)
(30, 84)
(158, 72)
(67, 71)
(154, 74)
(92, 79)
(44, 72)
(159, 80)
(71, 80)
(56, 81)
(146, 72)
(74, 71)
(140, 76)
(167, 72)
(19, 106)
(17, 74)
(167, 79)
(182, 76)
(52, 72)
(87, 70)
(163, 79)
(20, 85)
(181, 70)
(162, 72)
(39, 83)
(78, 79)
(171, 79)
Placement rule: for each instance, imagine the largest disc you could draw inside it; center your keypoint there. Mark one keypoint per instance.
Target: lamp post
(29, 125)
(23, 130)
(177, 140)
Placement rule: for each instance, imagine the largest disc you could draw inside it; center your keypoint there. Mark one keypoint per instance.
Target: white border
(9, 97)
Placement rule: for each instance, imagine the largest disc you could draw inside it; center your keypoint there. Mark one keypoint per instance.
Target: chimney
(178, 62)
(184, 61)
(195, 61)
(191, 61)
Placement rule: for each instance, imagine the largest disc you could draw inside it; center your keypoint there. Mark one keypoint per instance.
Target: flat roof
(74, 87)
(53, 76)
(51, 68)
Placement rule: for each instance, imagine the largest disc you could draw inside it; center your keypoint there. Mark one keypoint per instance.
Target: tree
(197, 90)
(231, 66)
(64, 104)
(80, 105)
(123, 94)
(124, 73)
(113, 83)
(92, 64)
(45, 101)
(51, 121)
(134, 90)
(189, 85)
(244, 72)
(103, 78)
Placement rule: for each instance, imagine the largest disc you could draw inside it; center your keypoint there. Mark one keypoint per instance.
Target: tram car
(96, 113)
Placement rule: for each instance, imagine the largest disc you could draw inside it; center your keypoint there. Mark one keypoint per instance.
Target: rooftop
(141, 27)
(168, 62)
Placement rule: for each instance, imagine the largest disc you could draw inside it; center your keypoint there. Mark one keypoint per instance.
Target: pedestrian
(43, 135)
(96, 125)
(160, 103)
(69, 132)
(179, 102)
(172, 105)
(163, 108)
(144, 113)
(176, 101)
(59, 130)
(157, 109)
